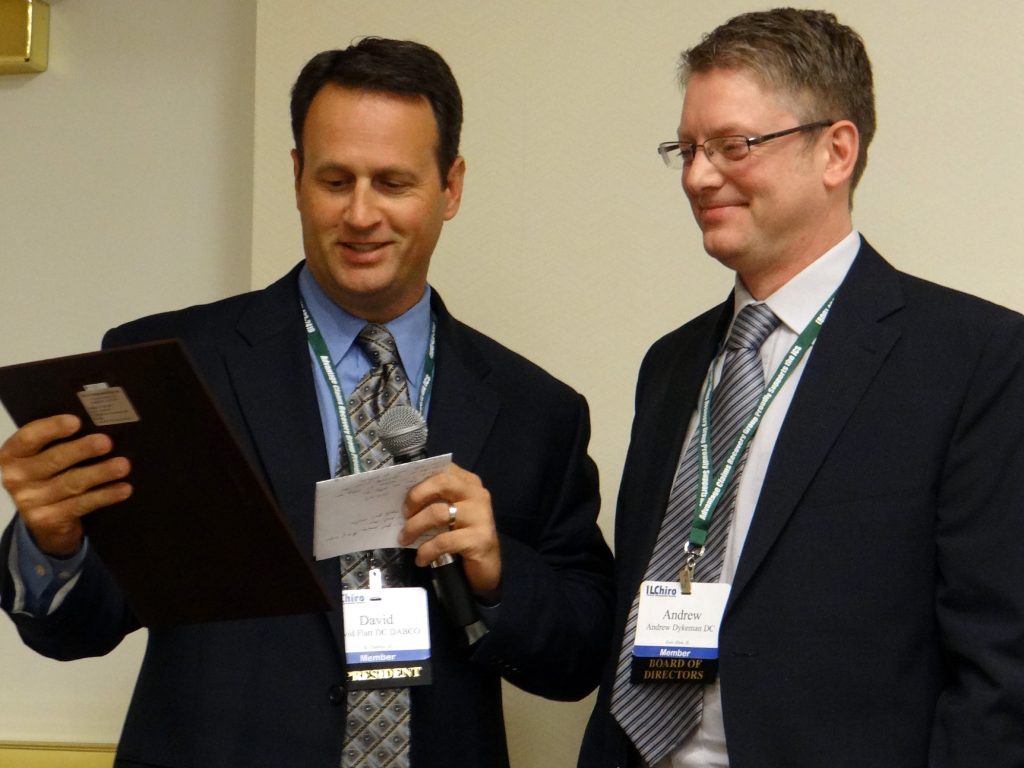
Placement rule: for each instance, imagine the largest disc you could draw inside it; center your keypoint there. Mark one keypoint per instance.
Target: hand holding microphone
(403, 432)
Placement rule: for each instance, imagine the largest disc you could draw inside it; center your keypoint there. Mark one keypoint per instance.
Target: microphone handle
(453, 592)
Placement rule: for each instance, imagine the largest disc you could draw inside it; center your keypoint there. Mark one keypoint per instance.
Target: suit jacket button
(336, 695)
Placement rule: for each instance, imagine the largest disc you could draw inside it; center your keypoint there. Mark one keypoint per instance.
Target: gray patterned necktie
(383, 386)
(377, 726)
(657, 717)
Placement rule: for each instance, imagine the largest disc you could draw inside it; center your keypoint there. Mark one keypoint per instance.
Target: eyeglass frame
(751, 141)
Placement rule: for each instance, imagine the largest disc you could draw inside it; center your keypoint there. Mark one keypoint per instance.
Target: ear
(453, 188)
(297, 171)
(842, 143)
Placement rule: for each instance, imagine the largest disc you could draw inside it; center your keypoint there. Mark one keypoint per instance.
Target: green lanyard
(316, 341)
(710, 491)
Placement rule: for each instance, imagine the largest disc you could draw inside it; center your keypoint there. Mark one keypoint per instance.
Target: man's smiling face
(371, 199)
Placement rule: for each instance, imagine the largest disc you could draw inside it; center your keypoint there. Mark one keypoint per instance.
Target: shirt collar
(340, 328)
(800, 299)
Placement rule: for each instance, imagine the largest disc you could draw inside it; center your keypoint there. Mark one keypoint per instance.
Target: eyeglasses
(724, 150)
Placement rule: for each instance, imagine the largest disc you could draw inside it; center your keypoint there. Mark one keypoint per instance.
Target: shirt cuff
(40, 580)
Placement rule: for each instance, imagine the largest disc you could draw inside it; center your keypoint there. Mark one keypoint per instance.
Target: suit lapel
(272, 378)
(462, 407)
(851, 348)
(273, 381)
(664, 406)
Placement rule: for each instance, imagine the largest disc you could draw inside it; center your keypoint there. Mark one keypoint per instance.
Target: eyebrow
(388, 170)
(730, 129)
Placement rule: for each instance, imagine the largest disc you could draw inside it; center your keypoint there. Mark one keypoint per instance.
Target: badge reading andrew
(387, 637)
(677, 634)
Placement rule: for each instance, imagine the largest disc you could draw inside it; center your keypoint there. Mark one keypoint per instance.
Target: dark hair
(387, 66)
(807, 54)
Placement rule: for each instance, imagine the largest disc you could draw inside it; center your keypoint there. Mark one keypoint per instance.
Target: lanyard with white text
(710, 494)
(316, 341)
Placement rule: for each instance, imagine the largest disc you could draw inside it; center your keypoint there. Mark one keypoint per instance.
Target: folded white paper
(364, 511)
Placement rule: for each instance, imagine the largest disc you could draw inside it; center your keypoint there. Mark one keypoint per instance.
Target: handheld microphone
(403, 432)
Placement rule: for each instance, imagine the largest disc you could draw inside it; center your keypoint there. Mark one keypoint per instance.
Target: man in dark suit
(377, 172)
(873, 612)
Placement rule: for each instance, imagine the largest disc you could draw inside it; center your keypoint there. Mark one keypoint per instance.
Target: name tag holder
(677, 633)
(387, 636)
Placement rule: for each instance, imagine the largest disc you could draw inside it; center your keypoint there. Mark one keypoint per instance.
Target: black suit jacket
(877, 613)
(267, 692)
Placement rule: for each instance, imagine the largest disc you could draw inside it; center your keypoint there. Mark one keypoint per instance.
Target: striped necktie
(658, 716)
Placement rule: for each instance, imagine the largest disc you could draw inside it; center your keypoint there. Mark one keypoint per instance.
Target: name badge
(387, 637)
(677, 634)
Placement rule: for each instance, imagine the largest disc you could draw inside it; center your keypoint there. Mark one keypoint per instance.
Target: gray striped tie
(377, 726)
(657, 717)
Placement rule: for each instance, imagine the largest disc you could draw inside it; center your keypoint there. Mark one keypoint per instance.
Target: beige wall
(126, 173)
(573, 245)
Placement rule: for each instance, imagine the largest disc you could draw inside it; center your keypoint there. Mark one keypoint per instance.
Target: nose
(361, 210)
(700, 174)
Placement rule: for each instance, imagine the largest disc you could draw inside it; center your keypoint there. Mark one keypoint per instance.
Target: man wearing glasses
(819, 522)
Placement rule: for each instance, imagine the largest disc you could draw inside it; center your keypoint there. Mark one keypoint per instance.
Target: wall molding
(50, 754)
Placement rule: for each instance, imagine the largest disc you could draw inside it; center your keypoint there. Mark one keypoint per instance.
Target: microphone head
(403, 432)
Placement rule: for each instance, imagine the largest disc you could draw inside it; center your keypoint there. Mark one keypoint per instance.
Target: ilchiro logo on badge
(661, 590)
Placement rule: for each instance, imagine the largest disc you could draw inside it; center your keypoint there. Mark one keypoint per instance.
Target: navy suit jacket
(877, 613)
(266, 692)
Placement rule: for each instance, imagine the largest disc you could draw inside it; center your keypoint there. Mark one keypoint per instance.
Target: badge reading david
(677, 634)
(387, 636)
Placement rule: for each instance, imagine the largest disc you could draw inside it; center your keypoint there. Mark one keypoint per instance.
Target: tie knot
(752, 326)
(378, 344)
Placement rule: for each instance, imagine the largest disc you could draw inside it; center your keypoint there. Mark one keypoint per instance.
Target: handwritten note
(364, 511)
